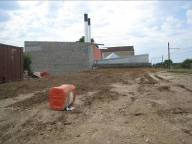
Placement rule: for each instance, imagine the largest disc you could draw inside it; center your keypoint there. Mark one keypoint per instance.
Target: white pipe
(89, 30)
(86, 27)
(86, 32)
(89, 33)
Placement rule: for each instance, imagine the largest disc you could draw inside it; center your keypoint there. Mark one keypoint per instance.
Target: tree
(158, 65)
(187, 63)
(167, 63)
(27, 63)
(82, 39)
(92, 40)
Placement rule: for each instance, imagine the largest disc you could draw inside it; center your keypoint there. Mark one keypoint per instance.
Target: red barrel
(61, 97)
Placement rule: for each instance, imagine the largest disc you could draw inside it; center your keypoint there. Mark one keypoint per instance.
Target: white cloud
(189, 16)
(35, 18)
(171, 23)
(146, 25)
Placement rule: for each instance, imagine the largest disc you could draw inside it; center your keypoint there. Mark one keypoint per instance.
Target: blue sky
(148, 25)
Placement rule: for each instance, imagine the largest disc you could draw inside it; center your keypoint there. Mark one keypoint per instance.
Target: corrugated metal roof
(112, 56)
(6, 45)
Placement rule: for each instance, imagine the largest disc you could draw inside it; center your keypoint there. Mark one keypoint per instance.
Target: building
(122, 56)
(59, 57)
(11, 63)
(97, 52)
(120, 51)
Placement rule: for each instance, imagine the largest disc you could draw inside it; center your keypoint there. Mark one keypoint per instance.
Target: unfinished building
(122, 56)
(60, 57)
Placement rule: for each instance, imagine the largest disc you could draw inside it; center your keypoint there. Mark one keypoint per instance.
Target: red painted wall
(97, 53)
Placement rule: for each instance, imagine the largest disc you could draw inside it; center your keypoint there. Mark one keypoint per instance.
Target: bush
(27, 63)
(167, 63)
(82, 39)
(158, 65)
(187, 63)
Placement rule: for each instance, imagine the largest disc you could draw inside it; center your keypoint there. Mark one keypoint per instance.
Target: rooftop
(6, 45)
(119, 48)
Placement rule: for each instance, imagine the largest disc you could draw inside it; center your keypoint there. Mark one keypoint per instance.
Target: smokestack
(86, 27)
(89, 30)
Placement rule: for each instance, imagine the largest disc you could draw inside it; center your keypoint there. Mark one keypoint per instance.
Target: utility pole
(169, 65)
(169, 55)
(168, 52)
(162, 58)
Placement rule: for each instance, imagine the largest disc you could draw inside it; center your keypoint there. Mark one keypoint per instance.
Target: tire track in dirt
(184, 87)
(22, 98)
(176, 112)
(29, 102)
(114, 107)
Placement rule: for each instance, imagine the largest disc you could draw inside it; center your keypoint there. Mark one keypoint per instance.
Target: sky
(147, 25)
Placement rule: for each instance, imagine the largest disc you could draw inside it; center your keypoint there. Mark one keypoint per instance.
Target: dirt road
(114, 106)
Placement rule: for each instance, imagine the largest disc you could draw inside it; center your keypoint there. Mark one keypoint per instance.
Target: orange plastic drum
(61, 97)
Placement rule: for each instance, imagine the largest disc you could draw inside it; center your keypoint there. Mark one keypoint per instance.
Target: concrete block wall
(130, 59)
(59, 57)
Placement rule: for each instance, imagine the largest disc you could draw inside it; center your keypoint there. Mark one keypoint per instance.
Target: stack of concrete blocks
(59, 57)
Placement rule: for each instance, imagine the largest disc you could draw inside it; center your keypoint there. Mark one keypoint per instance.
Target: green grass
(180, 71)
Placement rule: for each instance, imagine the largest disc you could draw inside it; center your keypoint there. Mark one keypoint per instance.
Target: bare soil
(135, 106)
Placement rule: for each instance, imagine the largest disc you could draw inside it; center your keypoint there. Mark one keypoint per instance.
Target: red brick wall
(97, 53)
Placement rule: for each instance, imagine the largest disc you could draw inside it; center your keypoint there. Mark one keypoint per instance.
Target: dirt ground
(113, 106)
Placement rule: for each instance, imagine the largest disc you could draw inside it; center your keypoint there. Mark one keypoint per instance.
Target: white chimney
(86, 27)
(89, 30)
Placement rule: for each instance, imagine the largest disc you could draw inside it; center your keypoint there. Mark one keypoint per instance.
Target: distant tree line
(187, 64)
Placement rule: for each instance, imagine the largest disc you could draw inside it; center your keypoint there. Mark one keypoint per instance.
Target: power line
(182, 56)
(181, 52)
(169, 54)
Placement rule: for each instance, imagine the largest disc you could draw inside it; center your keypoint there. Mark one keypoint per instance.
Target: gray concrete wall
(130, 59)
(59, 57)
